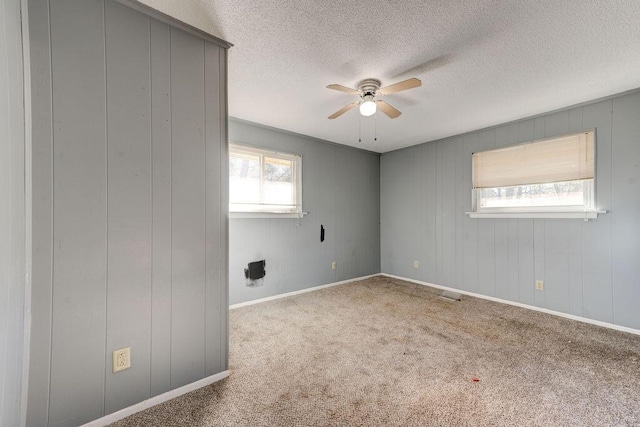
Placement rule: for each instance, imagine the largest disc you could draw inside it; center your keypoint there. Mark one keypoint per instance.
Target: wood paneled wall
(13, 212)
(590, 269)
(130, 224)
(340, 190)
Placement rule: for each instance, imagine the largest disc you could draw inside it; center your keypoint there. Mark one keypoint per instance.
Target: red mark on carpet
(475, 380)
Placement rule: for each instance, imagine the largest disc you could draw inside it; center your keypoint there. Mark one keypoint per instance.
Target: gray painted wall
(341, 190)
(12, 214)
(129, 200)
(590, 269)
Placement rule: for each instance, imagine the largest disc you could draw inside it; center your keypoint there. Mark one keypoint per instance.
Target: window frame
(585, 211)
(296, 209)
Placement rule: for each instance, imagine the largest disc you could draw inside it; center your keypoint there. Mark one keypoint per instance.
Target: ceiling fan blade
(343, 110)
(397, 87)
(388, 109)
(344, 89)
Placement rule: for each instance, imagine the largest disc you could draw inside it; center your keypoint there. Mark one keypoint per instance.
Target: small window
(262, 181)
(547, 176)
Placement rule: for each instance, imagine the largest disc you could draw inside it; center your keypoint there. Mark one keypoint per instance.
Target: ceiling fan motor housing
(369, 87)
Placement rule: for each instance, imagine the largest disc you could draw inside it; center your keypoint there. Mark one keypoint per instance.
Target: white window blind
(566, 158)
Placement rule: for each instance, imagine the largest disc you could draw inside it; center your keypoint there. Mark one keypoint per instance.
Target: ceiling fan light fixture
(368, 106)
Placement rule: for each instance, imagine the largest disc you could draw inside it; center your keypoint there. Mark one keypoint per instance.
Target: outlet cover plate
(334, 265)
(121, 359)
(539, 285)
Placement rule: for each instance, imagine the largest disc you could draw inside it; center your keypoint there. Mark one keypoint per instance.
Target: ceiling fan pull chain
(375, 127)
(360, 129)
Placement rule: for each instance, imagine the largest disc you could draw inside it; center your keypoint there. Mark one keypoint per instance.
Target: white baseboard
(517, 304)
(302, 291)
(172, 394)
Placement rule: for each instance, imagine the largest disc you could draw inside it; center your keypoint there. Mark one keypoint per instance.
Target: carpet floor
(384, 352)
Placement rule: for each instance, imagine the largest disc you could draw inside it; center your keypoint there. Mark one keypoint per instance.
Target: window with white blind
(547, 178)
(263, 181)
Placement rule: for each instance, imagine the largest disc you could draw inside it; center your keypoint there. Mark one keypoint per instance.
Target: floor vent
(450, 296)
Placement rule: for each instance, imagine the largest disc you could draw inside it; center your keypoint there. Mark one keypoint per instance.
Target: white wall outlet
(121, 359)
(539, 285)
(334, 265)
(416, 264)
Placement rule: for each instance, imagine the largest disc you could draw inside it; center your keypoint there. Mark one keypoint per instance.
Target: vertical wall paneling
(79, 212)
(556, 265)
(319, 200)
(223, 238)
(246, 237)
(552, 263)
(555, 240)
(128, 202)
(42, 214)
(625, 207)
(428, 194)
(588, 267)
(575, 273)
(308, 231)
(372, 261)
(13, 214)
(514, 259)
(488, 280)
(130, 199)
(388, 224)
(346, 244)
(282, 234)
(402, 218)
(341, 191)
(214, 210)
(390, 176)
(528, 229)
(539, 298)
(188, 209)
(469, 227)
(161, 207)
(575, 268)
(597, 249)
(448, 190)
(410, 221)
(506, 243)
(526, 261)
(326, 211)
(355, 226)
(460, 239)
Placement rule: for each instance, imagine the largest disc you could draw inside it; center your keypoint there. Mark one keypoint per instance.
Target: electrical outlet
(121, 359)
(539, 285)
(415, 264)
(334, 265)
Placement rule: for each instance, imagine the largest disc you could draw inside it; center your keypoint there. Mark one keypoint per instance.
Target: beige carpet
(383, 352)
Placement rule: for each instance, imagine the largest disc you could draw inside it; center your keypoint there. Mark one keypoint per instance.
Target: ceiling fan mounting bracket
(369, 86)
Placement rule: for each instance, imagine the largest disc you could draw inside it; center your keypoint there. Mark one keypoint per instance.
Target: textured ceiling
(481, 62)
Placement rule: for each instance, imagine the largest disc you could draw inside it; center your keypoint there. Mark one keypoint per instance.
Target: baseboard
(172, 394)
(302, 291)
(518, 304)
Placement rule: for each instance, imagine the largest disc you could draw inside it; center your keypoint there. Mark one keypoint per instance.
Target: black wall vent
(255, 270)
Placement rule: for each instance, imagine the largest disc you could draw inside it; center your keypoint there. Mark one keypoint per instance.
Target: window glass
(264, 181)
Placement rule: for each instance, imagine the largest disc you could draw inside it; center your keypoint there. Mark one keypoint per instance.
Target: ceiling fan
(369, 90)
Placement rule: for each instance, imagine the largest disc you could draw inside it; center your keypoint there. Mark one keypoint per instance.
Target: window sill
(549, 215)
(243, 215)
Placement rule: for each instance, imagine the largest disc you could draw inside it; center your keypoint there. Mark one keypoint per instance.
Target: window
(546, 178)
(262, 181)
